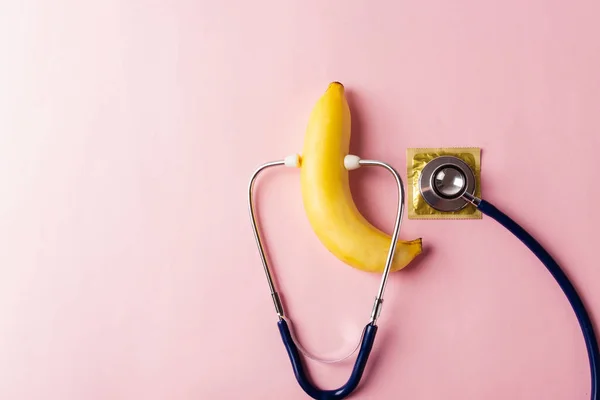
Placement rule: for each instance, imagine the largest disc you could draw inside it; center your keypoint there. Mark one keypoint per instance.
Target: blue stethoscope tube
(359, 365)
(371, 330)
(567, 287)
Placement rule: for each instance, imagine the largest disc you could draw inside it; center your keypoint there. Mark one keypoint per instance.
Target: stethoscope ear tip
(292, 161)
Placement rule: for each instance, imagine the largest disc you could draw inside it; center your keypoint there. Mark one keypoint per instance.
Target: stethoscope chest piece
(444, 181)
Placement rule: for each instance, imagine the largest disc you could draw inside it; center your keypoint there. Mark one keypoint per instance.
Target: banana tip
(336, 85)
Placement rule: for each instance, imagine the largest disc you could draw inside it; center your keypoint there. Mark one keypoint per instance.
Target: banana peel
(326, 196)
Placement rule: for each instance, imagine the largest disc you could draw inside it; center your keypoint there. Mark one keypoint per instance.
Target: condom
(417, 158)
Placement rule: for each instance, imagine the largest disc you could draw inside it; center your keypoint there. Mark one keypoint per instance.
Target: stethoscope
(447, 184)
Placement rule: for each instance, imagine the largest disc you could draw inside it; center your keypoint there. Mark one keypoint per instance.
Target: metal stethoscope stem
(399, 214)
(274, 294)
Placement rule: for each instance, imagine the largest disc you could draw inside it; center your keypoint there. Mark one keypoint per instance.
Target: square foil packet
(417, 158)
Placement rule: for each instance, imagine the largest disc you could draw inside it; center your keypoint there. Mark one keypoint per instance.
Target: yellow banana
(328, 202)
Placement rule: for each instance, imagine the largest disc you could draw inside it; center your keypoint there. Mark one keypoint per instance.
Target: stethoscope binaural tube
(443, 187)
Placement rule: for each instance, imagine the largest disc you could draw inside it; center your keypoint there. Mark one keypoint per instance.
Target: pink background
(128, 132)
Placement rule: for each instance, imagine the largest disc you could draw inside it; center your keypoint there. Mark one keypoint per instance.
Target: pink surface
(128, 132)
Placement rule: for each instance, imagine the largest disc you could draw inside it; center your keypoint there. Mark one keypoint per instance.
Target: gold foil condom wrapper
(417, 158)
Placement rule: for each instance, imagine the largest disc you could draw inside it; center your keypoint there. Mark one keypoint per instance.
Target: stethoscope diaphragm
(444, 181)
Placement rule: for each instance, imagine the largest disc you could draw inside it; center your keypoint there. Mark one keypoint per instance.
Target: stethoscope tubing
(353, 381)
(563, 281)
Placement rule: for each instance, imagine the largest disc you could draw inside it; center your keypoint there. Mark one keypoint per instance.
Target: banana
(326, 196)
